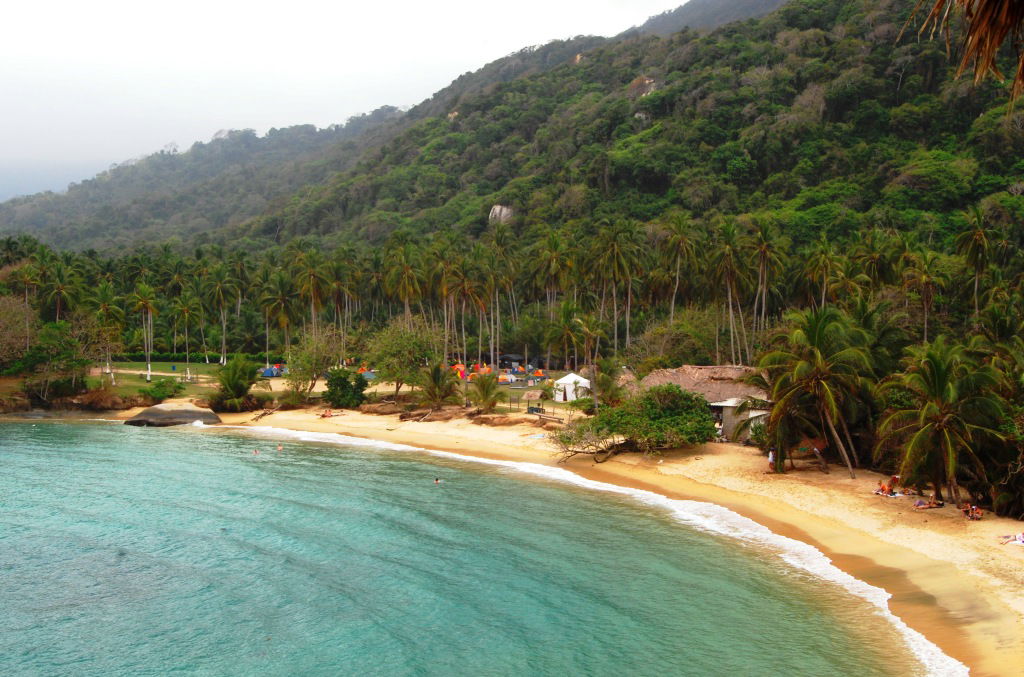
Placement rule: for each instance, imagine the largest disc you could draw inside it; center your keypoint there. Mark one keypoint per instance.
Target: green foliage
(345, 388)
(235, 380)
(163, 389)
(660, 418)
(399, 351)
(440, 386)
(485, 392)
(55, 364)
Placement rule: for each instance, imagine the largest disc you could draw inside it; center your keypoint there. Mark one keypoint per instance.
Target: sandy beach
(949, 578)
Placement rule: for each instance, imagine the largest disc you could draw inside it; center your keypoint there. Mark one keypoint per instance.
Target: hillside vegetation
(235, 176)
(814, 118)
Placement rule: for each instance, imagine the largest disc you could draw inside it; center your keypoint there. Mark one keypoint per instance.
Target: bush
(345, 388)
(236, 379)
(584, 404)
(662, 417)
(162, 389)
(291, 399)
(485, 392)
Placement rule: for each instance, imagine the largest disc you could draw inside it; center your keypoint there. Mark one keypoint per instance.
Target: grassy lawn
(200, 368)
(128, 385)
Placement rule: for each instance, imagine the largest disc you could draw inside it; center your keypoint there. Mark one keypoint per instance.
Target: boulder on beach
(173, 414)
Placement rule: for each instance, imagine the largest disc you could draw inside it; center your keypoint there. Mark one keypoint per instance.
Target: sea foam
(707, 517)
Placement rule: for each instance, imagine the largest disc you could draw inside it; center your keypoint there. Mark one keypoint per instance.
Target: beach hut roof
(718, 384)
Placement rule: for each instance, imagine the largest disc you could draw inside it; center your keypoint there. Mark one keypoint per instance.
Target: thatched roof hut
(715, 383)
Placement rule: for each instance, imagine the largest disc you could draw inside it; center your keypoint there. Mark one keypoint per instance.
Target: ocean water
(133, 551)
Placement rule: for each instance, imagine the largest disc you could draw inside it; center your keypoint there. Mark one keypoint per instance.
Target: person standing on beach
(771, 460)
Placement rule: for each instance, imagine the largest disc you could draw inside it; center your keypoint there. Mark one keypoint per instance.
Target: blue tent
(270, 372)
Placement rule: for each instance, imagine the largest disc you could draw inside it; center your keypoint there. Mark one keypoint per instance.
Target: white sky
(85, 84)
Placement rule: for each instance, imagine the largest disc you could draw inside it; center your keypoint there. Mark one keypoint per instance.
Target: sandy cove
(949, 578)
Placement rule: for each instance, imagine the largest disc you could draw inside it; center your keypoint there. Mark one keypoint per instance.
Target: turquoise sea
(133, 551)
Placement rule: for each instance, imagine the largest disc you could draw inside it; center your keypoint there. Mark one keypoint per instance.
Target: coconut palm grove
(814, 193)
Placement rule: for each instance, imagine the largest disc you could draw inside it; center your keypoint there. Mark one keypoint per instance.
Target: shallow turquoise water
(137, 551)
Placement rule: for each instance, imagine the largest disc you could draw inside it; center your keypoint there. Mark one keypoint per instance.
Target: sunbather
(1012, 538)
(932, 503)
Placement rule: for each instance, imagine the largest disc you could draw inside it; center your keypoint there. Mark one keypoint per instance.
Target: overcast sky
(87, 84)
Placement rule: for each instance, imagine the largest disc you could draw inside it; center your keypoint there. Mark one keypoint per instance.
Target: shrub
(162, 389)
(662, 417)
(236, 379)
(485, 392)
(440, 387)
(345, 388)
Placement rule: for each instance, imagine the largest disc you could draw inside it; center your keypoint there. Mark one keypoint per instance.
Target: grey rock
(173, 414)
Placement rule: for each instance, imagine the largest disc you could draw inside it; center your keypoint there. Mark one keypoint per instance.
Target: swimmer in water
(437, 480)
(256, 451)
(279, 447)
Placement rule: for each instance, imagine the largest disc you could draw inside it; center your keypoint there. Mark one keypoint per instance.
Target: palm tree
(725, 261)
(925, 277)
(953, 408)
(311, 281)
(681, 245)
(485, 392)
(62, 287)
(185, 308)
(403, 276)
(278, 303)
(819, 264)
(220, 289)
(817, 366)
(768, 256)
(144, 302)
(618, 247)
(975, 245)
(564, 330)
(440, 387)
(551, 264)
(987, 25)
(27, 278)
(109, 314)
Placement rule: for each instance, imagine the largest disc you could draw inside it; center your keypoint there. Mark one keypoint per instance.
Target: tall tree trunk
(223, 335)
(977, 276)
(849, 441)
(615, 317)
(202, 335)
(629, 306)
(839, 443)
(675, 292)
(926, 323)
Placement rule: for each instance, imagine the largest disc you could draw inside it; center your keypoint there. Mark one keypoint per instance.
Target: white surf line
(708, 517)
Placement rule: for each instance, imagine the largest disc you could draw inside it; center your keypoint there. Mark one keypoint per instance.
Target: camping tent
(570, 387)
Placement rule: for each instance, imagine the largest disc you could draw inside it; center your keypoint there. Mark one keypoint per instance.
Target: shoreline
(973, 615)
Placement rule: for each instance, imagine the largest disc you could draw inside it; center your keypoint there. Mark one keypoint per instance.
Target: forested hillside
(235, 176)
(814, 117)
(706, 14)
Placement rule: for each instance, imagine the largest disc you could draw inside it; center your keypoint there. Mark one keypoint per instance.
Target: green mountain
(707, 14)
(238, 175)
(233, 177)
(815, 117)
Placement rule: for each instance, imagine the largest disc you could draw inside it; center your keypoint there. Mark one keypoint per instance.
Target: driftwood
(265, 412)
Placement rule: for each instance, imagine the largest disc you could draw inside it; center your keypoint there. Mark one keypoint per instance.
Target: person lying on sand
(932, 503)
(327, 414)
(1012, 538)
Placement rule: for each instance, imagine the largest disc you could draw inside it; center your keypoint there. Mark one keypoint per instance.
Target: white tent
(569, 387)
